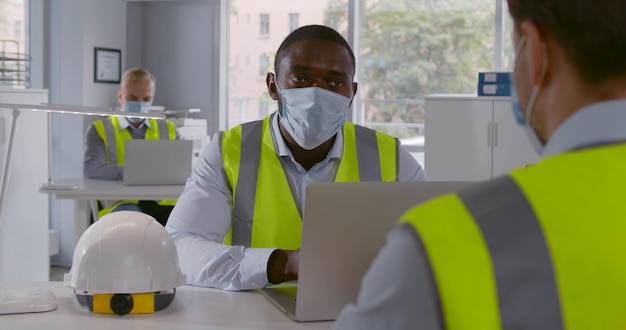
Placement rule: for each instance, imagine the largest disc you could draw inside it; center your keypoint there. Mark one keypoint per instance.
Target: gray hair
(137, 74)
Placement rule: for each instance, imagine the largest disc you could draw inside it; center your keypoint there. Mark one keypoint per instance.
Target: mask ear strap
(280, 114)
(535, 92)
(278, 88)
(520, 46)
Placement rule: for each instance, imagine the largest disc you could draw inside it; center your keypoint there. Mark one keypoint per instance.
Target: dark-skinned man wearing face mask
(237, 225)
(543, 247)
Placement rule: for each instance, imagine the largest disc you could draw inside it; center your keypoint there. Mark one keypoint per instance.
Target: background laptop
(344, 226)
(157, 162)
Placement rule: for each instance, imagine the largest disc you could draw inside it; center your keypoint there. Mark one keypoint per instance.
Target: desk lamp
(37, 300)
(51, 184)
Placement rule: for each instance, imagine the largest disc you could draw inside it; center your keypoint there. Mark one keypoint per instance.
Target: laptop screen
(157, 162)
(344, 227)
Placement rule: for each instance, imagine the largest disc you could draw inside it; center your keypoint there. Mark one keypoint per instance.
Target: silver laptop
(344, 226)
(157, 162)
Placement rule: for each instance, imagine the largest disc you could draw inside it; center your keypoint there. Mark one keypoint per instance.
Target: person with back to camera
(543, 247)
(104, 141)
(237, 224)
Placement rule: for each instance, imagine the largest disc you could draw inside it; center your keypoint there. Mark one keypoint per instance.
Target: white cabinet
(24, 249)
(472, 138)
(195, 130)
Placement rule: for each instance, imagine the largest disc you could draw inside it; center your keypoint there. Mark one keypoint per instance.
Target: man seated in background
(541, 248)
(238, 223)
(104, 141)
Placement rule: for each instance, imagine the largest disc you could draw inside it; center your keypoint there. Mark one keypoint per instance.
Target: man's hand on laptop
(283, 266)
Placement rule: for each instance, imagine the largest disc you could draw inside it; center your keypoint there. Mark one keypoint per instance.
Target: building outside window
(264, 63)
(265, 24)
(293, 21)
(245, 97)
(18, 27)
(13, 22)
(13, 43)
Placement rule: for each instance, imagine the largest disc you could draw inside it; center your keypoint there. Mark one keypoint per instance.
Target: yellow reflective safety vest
(264, 212)
(114, 139)
(542, 248)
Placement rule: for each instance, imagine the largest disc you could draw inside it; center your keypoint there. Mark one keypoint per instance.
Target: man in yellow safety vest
(237, 224)
(104, 141)
(543, 247)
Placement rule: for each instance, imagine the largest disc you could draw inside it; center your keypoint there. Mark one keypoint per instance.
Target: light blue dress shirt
(202, 215)
(397, 293)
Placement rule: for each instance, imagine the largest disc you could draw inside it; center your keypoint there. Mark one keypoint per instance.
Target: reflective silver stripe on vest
(164, 133)
(527, 290)
(245, 194)
(111, 142)
(398, 145)
(367, 154)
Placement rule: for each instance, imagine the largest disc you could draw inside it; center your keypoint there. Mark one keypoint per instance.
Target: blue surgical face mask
(134, 120)
(312, 115)
(137, 107)
(534, 139)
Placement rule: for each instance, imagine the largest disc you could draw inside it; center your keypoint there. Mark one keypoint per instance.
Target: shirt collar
(124, 123)
(283, 150)
(595, 124)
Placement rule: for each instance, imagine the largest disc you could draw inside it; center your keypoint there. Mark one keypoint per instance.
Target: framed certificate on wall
(107, 65)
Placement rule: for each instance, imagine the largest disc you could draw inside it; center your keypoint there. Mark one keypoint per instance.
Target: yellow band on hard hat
(125, 303)
(142, 303)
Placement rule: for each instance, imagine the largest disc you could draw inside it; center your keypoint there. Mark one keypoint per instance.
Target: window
(406, 50)
(399, 66)
(13, 22)
(265, 24)
(293, 21)
(244, 98)
(264, 63)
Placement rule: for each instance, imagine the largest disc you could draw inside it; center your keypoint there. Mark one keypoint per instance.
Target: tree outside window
(412, 48)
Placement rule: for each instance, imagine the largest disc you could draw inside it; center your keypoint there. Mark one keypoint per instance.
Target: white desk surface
(89, 189)
(192, 308)
(86, 194)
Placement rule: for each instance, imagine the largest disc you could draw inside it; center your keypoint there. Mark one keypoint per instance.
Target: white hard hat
(124, 253)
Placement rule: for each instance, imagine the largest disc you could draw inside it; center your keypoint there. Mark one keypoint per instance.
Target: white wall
(177, 40)
(105, 26)
(75, 27)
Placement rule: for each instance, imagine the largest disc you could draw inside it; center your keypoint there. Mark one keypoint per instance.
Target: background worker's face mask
(137, 107)
(312, 115)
